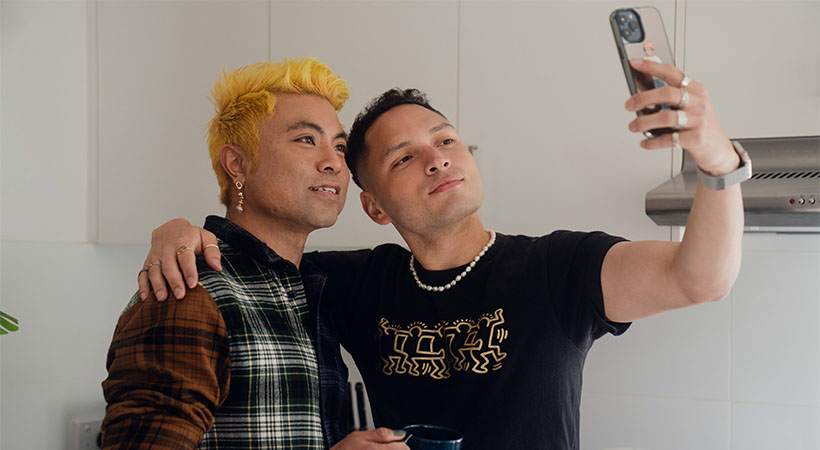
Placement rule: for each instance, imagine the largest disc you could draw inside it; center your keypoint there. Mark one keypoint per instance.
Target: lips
(445, 184)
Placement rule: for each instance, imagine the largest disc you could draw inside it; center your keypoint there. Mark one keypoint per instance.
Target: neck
(285, 241)
(447, 248)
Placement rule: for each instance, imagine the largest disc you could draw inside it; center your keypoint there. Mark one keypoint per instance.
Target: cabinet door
(541, 95)
(374, 46)
(157, 64)
(45, 121)
(760, 62)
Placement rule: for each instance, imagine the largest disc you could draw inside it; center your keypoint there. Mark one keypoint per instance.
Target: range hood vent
(783, 194)
(784, 175)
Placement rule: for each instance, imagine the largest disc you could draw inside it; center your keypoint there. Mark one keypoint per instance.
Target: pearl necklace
(458, 277)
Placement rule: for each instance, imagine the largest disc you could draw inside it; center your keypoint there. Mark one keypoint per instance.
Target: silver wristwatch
(739, 175)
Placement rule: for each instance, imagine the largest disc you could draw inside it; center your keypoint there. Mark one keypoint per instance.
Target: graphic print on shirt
(462, 345)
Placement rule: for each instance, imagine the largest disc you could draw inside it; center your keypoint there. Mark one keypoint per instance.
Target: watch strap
(739, 175)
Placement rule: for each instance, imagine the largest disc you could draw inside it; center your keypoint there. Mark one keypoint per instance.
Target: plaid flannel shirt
(235, 361)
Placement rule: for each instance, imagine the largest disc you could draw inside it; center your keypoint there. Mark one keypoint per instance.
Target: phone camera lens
(627, 33)
(622, 19)
(633, 25)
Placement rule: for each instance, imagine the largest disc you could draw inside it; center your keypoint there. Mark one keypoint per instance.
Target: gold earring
(239, 207)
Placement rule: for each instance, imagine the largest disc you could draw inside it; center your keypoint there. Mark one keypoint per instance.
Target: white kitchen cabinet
(45, 122)
(169, 55)
(618, 422)
(758, 426)
(760, 61)
(541, 93)
(374, 46)
(157, 64)
(775, 323)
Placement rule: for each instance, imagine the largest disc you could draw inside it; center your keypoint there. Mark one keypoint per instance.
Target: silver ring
(684, 97)
(681, 119)
(685, 81)
(676, 141)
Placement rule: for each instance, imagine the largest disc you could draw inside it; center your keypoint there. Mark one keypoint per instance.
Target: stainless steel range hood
(783, 194)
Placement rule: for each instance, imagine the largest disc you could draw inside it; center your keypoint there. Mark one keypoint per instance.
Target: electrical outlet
(86, 434)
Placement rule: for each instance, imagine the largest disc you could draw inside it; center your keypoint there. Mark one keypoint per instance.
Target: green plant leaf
(7, 322)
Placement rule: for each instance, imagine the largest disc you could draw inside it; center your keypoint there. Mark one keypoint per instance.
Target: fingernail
(630, 104)
(191, 282)
(632, 126)
(143, 296)
(161, 295)
(217, 262)
(399, 433)
(178, 293)
(636, 61)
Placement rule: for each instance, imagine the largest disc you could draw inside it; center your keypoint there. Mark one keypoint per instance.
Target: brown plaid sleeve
(168, 372)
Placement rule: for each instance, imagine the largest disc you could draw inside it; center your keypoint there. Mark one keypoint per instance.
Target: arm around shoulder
(168, 372)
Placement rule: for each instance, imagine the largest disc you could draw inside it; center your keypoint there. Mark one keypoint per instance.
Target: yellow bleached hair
(247, 96)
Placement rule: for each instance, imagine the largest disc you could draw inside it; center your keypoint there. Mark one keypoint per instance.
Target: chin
(324, 222)
(457, 211)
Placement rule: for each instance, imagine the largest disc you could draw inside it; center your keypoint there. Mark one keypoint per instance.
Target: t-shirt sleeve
(573, 263)
(168, 372)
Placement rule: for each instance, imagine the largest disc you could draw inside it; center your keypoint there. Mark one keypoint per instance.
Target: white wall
(67, 298)
(103, 105)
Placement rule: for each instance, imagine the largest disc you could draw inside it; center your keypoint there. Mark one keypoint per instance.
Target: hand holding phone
(639, 33)
(655, 84)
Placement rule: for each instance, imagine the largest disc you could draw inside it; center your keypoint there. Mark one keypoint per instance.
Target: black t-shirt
(499, 357)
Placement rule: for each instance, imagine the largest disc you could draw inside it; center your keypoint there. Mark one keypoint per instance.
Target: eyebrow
(314, 126)
(403, 144)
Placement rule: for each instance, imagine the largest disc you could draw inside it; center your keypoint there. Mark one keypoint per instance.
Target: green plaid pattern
(273, 402)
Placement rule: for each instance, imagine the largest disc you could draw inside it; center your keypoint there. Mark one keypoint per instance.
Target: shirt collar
(243, 241)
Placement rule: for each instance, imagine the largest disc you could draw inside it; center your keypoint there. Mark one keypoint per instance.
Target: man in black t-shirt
(486, 332)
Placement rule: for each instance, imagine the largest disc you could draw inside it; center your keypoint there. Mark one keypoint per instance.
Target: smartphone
(639, 33)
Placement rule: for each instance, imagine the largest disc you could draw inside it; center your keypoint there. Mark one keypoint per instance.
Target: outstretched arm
(640, 279)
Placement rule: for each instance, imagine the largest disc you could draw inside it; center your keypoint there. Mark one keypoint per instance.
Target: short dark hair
(390, 99)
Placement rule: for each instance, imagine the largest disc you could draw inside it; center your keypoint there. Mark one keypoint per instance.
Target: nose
(437, 162)
(331, 161)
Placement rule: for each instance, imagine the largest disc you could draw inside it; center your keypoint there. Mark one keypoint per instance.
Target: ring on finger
(212, 245)
(676, 141)
(685, 81)
(182, 249)
(152, 264)
(144, 269)
(684, 97)
(682, 119)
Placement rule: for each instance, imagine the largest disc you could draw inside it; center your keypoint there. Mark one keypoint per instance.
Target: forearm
(708, 259)
(140, 423)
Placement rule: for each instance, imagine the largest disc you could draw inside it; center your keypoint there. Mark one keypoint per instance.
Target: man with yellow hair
(235, 365)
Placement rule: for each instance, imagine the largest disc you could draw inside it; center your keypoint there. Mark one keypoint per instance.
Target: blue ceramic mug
(432, 437)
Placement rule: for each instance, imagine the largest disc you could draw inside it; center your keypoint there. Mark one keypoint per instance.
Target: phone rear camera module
(629, 24)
